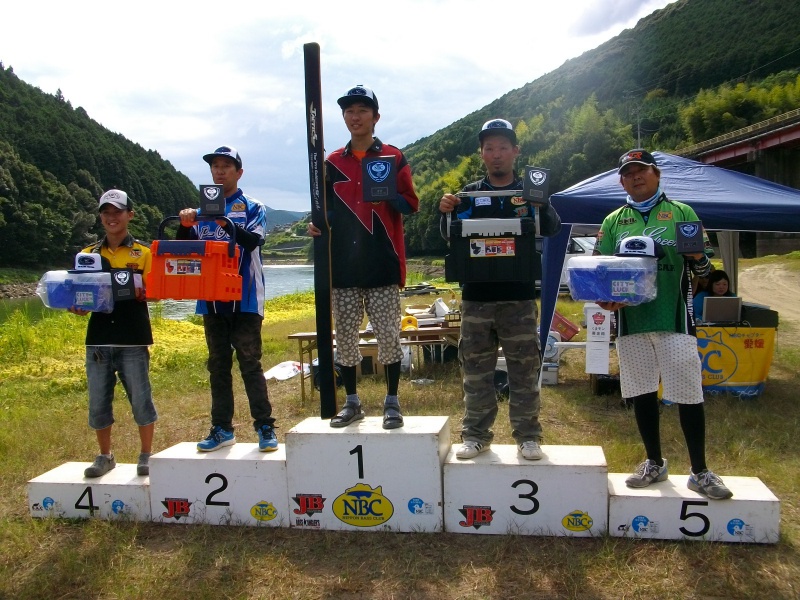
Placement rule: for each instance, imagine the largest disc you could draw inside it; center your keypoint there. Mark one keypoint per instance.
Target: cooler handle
(231, 243)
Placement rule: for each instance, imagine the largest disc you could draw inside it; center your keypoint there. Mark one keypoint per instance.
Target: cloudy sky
(182, 77)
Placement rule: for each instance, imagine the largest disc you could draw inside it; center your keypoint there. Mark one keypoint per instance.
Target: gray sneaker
(100, 466)
(709, 485)
(143, 466)
(646, 473)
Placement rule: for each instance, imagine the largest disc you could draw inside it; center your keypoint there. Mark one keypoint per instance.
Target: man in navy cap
(495, 314)
(234, 325)
(368, 254)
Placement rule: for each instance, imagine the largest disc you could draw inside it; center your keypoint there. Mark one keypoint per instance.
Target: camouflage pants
(484, 327)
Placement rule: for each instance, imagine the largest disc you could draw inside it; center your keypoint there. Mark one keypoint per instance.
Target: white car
(578, 246)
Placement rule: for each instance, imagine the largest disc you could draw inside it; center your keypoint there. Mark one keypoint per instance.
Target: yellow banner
(735, 360)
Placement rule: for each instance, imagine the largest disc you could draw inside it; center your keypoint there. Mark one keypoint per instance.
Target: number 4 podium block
(499, 492)
(65, 492)
(363, 477)
(235, 485)
(668, 510)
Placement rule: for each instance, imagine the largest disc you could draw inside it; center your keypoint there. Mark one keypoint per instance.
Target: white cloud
(184, 77)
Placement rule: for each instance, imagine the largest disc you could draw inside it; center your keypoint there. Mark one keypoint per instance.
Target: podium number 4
(87, 493)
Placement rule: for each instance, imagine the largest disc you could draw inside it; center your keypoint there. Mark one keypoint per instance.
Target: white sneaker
(530, 450)
(471, 449)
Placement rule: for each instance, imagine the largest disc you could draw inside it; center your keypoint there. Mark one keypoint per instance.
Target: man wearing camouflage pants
(499, 313)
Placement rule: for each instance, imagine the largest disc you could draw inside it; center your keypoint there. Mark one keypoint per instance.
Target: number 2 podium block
(499, 492)
(363, 477)
(65, 492)
(668, 510)
(235, 485)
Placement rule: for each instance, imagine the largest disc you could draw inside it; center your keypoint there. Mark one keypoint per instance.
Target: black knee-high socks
(645, 407)
(693, 425)
(392, 374)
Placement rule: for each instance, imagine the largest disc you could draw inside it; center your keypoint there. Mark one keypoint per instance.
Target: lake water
(280, 280)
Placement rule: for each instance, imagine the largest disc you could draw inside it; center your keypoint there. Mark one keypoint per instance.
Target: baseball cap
(638, 245)
(359, 93)
(498, 127)
(637, 156)
(227, 151)
(116, 198)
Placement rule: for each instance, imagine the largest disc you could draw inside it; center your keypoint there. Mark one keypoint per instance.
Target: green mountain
(684, 72)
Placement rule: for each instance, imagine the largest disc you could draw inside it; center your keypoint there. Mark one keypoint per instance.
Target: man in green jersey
(656, 340)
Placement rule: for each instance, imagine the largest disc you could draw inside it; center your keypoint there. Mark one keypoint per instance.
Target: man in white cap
(117, 343)
(656, 340)
(498, 314)
(368, 254)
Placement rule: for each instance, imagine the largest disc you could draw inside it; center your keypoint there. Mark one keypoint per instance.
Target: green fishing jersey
(672, 309)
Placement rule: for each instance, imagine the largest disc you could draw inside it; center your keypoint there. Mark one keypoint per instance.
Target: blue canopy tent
(724, 200)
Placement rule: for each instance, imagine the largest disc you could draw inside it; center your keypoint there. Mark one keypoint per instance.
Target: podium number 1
(359, 451)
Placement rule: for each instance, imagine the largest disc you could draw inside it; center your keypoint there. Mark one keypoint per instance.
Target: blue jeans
(132, 365)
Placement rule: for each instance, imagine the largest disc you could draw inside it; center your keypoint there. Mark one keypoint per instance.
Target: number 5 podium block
(668, 510)
(499, 492)
(365, 478)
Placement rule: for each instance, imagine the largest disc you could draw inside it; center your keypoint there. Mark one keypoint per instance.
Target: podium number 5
(688, 515)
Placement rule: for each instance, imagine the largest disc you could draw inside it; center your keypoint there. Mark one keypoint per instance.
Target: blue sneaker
(267, 440)
(217, 438)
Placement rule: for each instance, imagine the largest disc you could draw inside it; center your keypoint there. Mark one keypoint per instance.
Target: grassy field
(43, 424)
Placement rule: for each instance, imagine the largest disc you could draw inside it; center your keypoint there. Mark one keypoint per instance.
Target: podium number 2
(688, 515)
(360, 452)
(224, 486)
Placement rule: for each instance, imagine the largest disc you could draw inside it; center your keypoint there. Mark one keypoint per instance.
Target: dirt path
(773, 286)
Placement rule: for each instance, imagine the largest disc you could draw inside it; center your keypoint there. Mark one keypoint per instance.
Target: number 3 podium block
(235, 485)
(499, 492)
(65, 492)
(363, 477)
(670, 511)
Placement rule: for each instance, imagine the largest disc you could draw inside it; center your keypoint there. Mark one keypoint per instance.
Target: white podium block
(235, 485)
(65, 492)
(499, 492)
(363, 477)
(668, 510)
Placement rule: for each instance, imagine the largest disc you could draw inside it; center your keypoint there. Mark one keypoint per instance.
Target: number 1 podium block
(235, 485)
(65, 492)
(668, 510)
(499, 492)
(363, 477)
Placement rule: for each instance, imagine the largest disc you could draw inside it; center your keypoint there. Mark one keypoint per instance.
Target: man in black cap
(499, 313)
(234, 325)
(656, 340)
(368, 253)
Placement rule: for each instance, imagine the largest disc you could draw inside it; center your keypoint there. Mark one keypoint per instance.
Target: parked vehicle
(578, 246)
